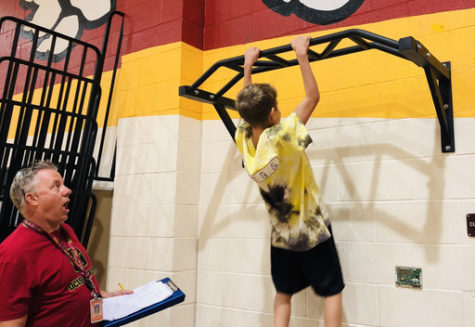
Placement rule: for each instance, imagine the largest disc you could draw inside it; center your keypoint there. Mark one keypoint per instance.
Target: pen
(121, 287)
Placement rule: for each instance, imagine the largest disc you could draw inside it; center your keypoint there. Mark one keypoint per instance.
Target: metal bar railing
(109, 99)
(437, 73)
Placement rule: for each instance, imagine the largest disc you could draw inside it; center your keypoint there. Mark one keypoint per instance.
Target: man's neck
(44, 225)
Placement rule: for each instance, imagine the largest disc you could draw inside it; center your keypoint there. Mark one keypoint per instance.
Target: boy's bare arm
(305, 108)
(250, 57)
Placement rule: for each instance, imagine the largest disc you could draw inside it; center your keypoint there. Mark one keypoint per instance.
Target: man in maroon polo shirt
(46, 274)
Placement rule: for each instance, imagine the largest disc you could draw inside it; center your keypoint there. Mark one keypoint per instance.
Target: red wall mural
(240, 21)
(69, 17)
(316, 11)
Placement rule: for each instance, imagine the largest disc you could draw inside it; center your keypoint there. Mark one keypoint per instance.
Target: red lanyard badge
(70, 251)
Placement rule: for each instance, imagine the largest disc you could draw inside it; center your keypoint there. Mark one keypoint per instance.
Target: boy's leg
(333, 311)
(282, 309)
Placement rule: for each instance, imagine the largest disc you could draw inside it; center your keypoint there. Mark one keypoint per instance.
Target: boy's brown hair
(254, 103)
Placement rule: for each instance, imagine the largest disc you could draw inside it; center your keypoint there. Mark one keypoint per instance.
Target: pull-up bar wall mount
(438, 73)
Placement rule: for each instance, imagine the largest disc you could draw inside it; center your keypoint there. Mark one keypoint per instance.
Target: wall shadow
(432, 166)
(210, 226)
(98, 246)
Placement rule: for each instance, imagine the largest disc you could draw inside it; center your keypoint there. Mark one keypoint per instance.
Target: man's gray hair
(23, 179)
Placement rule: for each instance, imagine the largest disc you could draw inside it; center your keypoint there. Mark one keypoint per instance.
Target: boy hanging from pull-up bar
(303, 251)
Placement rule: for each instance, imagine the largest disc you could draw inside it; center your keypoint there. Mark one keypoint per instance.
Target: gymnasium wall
(183, 206)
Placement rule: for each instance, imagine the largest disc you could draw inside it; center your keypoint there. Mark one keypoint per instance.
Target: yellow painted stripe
(372, 83)
(36, 100)
(149, 81)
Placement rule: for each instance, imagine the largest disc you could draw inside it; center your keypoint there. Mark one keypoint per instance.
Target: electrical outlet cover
(410, 277)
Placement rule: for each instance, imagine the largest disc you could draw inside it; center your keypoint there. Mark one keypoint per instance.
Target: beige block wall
(395, 200)
(155, 209)
(184, 207)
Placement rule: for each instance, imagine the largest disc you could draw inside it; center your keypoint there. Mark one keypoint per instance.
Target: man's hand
(115, 293)
(250, 57)
(20, 322)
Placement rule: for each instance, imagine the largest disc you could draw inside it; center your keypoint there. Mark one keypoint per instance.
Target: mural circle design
(69, 17)
(321, 12)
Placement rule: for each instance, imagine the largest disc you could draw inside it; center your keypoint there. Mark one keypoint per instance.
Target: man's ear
(31, 199)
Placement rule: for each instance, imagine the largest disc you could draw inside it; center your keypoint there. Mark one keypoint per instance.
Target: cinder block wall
(153, 233)
(156, 188)
(394, 203)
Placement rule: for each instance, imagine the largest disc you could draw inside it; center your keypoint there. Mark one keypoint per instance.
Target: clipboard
(177, 297)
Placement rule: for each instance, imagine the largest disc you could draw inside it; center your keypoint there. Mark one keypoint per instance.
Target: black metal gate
(48, 111)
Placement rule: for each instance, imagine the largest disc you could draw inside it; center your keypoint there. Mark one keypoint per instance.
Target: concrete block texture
(394, 199)
(407, 307)
(155, 209)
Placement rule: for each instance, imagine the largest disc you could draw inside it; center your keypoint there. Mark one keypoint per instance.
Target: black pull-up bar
(437, 73)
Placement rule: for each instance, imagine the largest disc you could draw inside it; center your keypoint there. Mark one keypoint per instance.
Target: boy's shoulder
(291, 131)
(287, 126)
(244, 128)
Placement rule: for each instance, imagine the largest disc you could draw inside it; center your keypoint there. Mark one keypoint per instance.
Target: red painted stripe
(216, 23)
(251, 21)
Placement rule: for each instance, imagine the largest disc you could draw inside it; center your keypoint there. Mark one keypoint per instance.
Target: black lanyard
(73, 255)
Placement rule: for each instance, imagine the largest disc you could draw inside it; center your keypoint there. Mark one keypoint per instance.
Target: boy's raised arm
(305, 108)
(250, 57)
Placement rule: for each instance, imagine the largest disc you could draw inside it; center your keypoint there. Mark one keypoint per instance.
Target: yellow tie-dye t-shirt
(283, 173)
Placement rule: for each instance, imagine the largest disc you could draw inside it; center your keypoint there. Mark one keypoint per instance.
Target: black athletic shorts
(319, 267)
